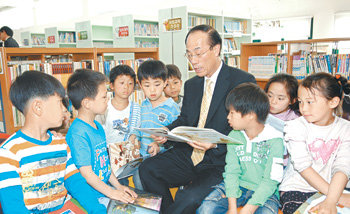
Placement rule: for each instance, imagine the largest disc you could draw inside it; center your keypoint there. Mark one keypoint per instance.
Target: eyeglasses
(198, 55)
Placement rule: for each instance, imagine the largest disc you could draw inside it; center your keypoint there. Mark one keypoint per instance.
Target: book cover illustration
(316, 199)
(188, 134)
(70, 207)
(128, 169)
(146, 203)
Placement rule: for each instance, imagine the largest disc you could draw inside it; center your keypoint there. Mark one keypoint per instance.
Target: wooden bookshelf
(265, 48)
(40, 54)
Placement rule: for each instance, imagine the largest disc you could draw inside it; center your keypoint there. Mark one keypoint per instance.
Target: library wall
(102, 11)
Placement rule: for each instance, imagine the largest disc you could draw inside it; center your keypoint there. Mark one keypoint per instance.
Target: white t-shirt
(117, 125)
(325, 148)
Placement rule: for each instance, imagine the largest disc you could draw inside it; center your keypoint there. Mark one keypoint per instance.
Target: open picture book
(145, 203)
(188, 134)
(128, 169)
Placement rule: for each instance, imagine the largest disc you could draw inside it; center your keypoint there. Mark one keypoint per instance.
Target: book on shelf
(233, 61)
(146, 29)
(229, 45)
(233, 26)
(197, 20)
(188, 134)
(145, 203)
(305, 64)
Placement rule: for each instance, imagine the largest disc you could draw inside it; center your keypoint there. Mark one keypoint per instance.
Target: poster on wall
(171, 25)
(122, 31)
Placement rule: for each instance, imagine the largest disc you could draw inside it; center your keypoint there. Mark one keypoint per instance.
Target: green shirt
(256, 165)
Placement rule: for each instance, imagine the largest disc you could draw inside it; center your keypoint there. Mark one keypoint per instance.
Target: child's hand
(324, 207)
(153, 148)
(128, 191)
(134, 141)
(248, 209)
(121, 195)
(56, 134)
(345, 200)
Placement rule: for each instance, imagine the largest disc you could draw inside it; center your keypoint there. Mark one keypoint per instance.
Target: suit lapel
(220, 89)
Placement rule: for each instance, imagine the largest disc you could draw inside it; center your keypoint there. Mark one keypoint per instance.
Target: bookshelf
(89, 35)
(173, 52)
(293, 51)
(31, 40)
(60, 38)
(236, 31)
(134, 32)
(60, 62)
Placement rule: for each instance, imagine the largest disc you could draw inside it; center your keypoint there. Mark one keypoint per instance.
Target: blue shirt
(162, 115)
(89, 148)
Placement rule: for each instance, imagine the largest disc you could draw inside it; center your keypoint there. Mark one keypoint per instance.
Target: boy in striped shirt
(37, 173)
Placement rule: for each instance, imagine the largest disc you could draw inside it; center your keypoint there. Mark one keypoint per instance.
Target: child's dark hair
(329, 86)
(84, 83)
(173, 71)
(32, 84)
(249, 98)
(291, 85)
(121, 70)
(153, 69)
(7, 30)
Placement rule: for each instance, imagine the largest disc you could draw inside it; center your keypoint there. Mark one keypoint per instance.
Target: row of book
(267, 66)
(233, 61)
(143, 29)
(66, 37)
(38, 39)
(235, 26)
(306, 64)
(146, 44)
(197, 20)
(229, 45)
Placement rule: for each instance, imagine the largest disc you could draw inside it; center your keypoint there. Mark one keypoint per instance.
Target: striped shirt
(38, 169)
(162, 115)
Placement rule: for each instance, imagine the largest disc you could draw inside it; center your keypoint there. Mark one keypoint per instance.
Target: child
(174, 84)
(319, 146)
(122, 116)
(156, 110)
(86, 137)
(253, 170)
(37, 170)
(282, 91)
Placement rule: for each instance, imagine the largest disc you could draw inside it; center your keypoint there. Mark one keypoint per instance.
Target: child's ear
(37, 107)
(334, 102)
(85, 103)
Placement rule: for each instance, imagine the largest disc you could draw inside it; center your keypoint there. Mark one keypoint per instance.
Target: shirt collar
(268, 133)
(168, 102)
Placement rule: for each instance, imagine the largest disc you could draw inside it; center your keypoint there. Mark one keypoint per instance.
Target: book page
(144, 203)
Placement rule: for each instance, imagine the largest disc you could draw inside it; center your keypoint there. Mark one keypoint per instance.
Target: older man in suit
(196, 165)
